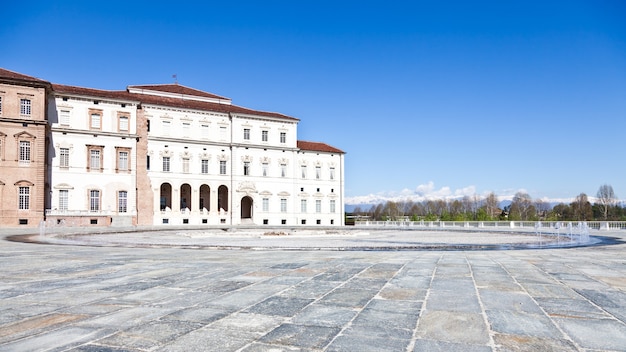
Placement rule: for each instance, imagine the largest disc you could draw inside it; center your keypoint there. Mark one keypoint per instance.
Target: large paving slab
(128, 294)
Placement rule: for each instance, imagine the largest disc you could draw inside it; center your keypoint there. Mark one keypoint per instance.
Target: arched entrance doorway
(165, 197)
(246, 207)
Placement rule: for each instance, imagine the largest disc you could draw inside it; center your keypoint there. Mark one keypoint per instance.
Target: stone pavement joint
(86, 297)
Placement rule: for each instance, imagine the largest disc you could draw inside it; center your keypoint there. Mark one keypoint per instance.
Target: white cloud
(420, 193)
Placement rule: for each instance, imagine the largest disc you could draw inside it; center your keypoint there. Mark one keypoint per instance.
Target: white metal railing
(595, 225)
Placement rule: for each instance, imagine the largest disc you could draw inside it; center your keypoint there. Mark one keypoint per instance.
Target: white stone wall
(76, 135)
(178, 145)
(189, 136)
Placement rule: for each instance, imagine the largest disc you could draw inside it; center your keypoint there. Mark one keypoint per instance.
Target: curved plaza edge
(315, 239)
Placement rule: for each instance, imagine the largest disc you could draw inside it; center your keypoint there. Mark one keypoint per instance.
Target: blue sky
(428, 98)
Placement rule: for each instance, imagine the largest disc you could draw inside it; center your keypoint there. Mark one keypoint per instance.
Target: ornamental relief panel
(247, 187)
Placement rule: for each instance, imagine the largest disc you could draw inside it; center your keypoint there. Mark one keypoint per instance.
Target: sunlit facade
(159, 155)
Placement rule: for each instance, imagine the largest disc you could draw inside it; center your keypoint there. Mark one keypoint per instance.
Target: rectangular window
(166, 164)
(122, 201)
(165, 127)
(63, 199)
(64, 157)
(266, 204)
(25, 107)
(303, 170)
(95, 121)
(223, 134)
(24, 152)
(122, 160)
(303, 205)
(204, 166)
(204, 131)
(186, 129)
(318, 205)
(332, 173)
(332, 205)
(94, 159)
(246, 168)
(264, 136)
(283, 205)
(318, 172)
(123, 123)
(246, 134)
(94, 200)
(222, 167)
(148, 125)
(185, 165)
(64, 117)
(147, 162)
(265, 167)
(24, 198)
(283, 137)
(283, 170)
(0, 106)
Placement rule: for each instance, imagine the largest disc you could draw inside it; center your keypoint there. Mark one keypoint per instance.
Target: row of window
(264, 136)
(303, 205)
(204, 168)
(94, 198)
(95, 120)
(95, 156)
(166, 130)
(25, 107)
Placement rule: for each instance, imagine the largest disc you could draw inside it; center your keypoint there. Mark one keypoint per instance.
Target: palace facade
(159, 155)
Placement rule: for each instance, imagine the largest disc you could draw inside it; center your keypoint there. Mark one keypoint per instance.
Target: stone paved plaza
(176, 291)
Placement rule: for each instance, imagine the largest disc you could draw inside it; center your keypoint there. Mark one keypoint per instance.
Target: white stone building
(93, 154)
(211, 162)
(173, 155)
